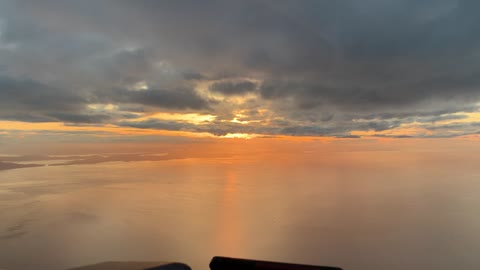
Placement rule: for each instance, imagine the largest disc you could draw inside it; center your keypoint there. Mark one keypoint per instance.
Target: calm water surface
(355, 210)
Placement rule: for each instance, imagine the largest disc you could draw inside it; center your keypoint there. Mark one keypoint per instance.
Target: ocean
(356, 210)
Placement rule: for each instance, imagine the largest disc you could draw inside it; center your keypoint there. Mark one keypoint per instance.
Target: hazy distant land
(11, 165)
(23, 161)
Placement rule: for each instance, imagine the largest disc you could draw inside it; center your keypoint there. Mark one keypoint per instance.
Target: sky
(170, 71)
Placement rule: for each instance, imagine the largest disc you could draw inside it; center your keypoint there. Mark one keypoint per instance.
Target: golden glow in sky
(193, 118)
(415, 129)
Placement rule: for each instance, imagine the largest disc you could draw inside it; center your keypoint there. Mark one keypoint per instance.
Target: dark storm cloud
(27, 100)
(310, 95)
(392, 56)
(444, 114)
(159, 124)
(455, 126)
(24, 117)
(306, 130)
(191, 75)
(170, 99)
(27, 94)
(81, 118)
(320, 64)
(233, 88)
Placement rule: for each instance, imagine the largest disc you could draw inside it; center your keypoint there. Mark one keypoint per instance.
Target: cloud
(317, 66)
(191, 75)
(159, 124)
(348, 137)
(81, 118)
(31, 101)
(169, 99)
(233, 88)
(31, 95)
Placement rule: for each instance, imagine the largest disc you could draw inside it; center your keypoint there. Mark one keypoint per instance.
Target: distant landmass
(11, 162)
(11, 165)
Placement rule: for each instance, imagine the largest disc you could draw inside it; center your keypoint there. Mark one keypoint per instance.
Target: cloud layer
(325, 68)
